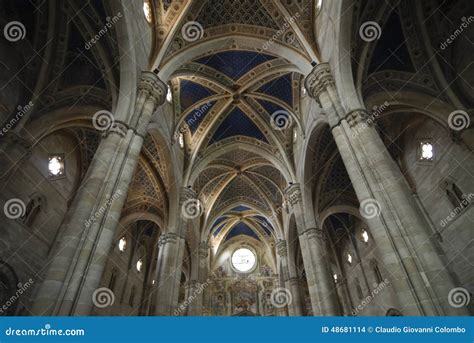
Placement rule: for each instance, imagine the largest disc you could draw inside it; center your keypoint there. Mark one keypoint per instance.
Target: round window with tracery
(243, 260)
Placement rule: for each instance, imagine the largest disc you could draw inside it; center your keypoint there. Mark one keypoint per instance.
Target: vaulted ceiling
(237, 105)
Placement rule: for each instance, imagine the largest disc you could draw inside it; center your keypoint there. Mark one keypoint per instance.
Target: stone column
(341, 286)
(170, 260)
(315, 259)
(75, 266)
(415, 269)
(196, 306)
(170, 263)
(291, 281)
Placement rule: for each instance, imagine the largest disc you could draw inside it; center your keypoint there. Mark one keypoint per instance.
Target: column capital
(358, 116)
(315, 234)
(203, 250)
(166, 238)
(281, 248)
(153, 87)
(293, 194)
(318, 80)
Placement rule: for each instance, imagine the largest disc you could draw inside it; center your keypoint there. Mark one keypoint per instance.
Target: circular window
(243, 260)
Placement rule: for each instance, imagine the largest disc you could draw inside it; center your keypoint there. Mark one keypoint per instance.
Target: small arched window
(131, 300)
(33, 208)
(454, 194)
(113, 279)
(359, 289)
(377, 273)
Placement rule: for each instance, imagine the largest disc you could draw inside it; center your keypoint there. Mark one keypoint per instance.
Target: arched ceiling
(236, 98)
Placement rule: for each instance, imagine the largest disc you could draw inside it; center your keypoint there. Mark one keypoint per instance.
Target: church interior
(236, 158)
